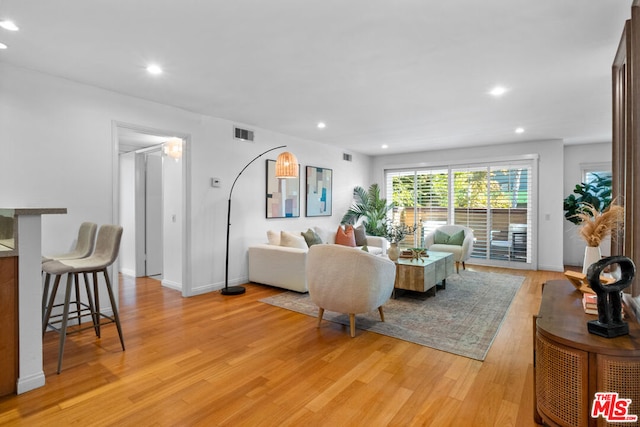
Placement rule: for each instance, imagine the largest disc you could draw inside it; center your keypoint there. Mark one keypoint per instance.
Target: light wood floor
(232, 360)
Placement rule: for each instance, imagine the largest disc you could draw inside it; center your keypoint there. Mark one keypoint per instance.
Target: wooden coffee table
(423, 275)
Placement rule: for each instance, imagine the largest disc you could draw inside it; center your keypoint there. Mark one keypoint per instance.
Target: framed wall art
(283, 194)
(319, 184)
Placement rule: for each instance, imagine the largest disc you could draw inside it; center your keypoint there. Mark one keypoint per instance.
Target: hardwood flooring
(231, 360)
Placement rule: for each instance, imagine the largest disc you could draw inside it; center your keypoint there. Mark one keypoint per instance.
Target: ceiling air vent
(346, 157)
(242, 134)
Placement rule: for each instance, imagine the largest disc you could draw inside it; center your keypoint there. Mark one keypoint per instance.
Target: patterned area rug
(462, 319)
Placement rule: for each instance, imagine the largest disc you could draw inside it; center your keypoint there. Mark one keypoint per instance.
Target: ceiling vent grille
(346, 157)
(243, 134)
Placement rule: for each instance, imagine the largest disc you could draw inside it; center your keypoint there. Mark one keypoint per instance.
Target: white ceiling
(413, 74)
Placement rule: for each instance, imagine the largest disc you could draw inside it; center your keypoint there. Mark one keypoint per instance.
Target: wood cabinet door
(8, 325)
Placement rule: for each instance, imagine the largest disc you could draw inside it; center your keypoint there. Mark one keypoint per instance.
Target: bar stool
(106, 252)
(84, 244)
(84, 247)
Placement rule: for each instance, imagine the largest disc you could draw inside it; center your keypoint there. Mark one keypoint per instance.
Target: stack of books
(590, 303)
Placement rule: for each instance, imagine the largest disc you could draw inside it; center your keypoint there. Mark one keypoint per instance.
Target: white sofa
(284, 267)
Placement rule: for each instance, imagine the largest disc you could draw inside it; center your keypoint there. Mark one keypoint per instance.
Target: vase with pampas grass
(595, 226)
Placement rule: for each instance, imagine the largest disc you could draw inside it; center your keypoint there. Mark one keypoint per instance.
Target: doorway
(151, 204)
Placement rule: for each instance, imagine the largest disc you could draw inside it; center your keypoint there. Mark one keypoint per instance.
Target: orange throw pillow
(346, 237)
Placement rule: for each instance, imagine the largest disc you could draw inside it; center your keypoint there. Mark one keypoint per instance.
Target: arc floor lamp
(286, 167)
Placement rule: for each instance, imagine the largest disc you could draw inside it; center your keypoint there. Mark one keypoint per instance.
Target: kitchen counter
(20, 232)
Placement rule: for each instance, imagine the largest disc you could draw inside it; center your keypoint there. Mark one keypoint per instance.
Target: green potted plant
(590, 207)
(370, 206)
(595, 194)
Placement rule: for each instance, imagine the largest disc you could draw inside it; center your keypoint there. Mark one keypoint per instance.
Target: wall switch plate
(215, 182)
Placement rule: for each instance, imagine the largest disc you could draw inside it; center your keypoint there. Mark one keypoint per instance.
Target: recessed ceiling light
(385, 146)
(498, 91)
(9, 25)
(321, 125)
(519, 130)
(154, 69)
(3, 46)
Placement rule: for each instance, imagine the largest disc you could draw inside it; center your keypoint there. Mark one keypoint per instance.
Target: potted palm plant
(370, 206)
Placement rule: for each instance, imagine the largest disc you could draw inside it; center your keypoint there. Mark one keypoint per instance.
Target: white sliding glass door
(492, 199)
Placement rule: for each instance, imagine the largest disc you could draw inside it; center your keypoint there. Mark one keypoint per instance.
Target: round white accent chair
(348, 280)
(461, 253)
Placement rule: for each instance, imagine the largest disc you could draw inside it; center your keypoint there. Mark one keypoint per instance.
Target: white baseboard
(211, 287)
(30, 382)
(128, 272)
(206, 289)
(559, 268)
(214, 287)
(172, 285)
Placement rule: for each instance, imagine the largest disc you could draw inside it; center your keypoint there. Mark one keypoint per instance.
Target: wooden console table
(571, 365)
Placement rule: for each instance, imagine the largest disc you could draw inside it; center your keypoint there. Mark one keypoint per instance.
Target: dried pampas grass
(596, 225)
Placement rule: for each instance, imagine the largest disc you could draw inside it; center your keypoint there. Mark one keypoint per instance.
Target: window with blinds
(492, 199)
(421, 200)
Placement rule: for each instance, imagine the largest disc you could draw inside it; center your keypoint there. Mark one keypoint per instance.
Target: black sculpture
(610, 323)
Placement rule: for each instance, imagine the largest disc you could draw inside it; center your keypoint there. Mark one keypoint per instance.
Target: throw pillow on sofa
(311, 237)
(326, 235)
(273, 237)
(292, 241)
(346, 236)
(361, 235)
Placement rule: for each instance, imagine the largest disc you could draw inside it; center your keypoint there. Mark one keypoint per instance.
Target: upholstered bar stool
(106, 252)
(84, 244)
(84, 247)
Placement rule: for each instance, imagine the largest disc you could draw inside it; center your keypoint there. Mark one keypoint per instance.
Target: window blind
(492, 199)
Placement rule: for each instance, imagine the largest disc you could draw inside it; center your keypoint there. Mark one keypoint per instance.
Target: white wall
(575, 156)
(127, 256)
(223, 157)
(58, 137)
(550, 215)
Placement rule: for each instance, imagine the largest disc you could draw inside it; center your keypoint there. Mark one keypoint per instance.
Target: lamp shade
(287, 166)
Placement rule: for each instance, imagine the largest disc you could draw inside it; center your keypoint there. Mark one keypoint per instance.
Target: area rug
(462, 319)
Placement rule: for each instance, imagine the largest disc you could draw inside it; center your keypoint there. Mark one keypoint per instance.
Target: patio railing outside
(500, 234)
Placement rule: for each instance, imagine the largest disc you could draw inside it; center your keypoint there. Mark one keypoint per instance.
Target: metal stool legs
(91, 308)
(115, 318)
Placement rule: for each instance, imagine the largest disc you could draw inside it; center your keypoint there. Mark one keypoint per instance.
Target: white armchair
(461, 253)
(348, 280)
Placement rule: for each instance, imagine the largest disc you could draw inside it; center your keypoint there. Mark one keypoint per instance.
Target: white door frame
(186, 191)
